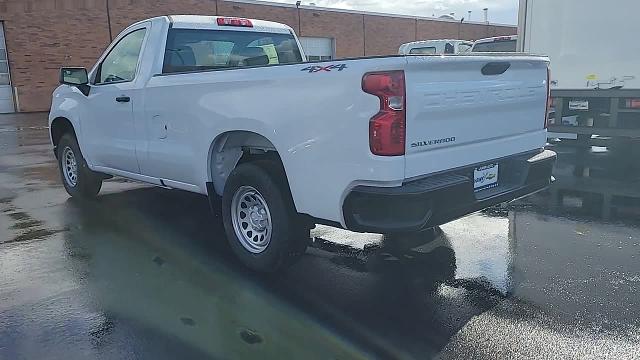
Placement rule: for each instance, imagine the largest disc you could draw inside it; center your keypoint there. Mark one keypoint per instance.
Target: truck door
(110, 129)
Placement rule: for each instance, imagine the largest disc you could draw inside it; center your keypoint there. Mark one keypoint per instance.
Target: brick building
(42, 35)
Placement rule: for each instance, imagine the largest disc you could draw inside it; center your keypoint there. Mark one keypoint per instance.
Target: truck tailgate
(463, 110)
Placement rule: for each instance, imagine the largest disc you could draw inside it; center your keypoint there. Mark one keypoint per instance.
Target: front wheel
(77, 178)
(259, 217)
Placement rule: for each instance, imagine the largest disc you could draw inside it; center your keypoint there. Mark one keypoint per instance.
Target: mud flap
(215, 201)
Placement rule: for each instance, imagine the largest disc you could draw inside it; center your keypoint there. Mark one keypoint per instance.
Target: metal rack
(607, 118)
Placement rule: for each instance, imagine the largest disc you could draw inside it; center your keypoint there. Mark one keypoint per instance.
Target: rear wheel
(260, 220)
(77, 178)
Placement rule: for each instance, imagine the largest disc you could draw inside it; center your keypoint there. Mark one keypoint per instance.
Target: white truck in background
(229, 108)
(595, 55)
(433, 47)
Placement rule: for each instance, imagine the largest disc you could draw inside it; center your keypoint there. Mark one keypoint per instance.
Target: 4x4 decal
(319, 68)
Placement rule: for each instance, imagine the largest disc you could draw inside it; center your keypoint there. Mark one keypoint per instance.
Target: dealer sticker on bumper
(485, 177)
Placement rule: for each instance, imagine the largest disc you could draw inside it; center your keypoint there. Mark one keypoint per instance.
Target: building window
(6, 91)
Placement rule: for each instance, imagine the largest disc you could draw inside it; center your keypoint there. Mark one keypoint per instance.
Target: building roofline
(360, 12)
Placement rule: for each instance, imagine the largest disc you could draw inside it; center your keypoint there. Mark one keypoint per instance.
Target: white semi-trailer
(594, 53)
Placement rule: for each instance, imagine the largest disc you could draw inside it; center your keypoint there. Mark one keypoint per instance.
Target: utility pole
(298, 7)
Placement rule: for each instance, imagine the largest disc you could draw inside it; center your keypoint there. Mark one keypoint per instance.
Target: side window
(121, 63)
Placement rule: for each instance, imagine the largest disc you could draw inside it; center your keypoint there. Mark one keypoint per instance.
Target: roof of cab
(433, 41)
(497, 38)
(210, 22)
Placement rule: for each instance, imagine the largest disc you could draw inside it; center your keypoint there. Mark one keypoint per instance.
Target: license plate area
(579, 105)
(485, 177)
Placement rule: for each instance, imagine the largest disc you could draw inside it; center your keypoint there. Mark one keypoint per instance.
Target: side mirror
(77, 77)
(74, 76)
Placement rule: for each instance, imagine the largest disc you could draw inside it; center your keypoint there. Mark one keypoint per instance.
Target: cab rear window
(496, 46)
(427, 50)
(194, 49)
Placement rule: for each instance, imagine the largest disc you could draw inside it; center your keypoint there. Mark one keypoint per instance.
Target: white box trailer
(595, 57)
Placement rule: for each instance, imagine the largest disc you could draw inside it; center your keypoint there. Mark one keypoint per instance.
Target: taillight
(387, 129)
(632, 103)
(549, 102)
(225, 21)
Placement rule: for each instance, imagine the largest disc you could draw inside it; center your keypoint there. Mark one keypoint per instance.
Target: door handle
(123, 99)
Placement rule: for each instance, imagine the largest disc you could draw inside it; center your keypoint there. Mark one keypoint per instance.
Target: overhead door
(6, 95)
(317, 48)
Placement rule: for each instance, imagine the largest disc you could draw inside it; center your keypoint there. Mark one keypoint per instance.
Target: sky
(500, 11)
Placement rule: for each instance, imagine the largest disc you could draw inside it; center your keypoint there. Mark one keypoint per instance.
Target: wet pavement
(145, 273)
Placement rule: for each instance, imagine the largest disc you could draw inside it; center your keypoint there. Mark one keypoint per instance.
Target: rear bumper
(440, 198)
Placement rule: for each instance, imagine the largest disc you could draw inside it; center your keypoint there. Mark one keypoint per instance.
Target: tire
(269, 236)
(77, 178)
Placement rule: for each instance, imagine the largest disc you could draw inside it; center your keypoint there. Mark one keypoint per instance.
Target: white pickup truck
(432, 47)
(228, 107)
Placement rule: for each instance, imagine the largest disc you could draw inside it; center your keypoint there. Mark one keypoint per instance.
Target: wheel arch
(231, 148)
(60, 126)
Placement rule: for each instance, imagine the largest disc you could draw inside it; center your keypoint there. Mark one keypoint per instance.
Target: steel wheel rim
(251, 219)
(69, 167)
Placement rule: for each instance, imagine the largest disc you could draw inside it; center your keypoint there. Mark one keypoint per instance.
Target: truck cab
(432, 47)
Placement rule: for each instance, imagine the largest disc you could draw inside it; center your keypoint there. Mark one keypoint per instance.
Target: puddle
(25, 224)
(188, 321)
(158, 260)
(250, 337)
(33, 234)
(101, 331)
(28, 228)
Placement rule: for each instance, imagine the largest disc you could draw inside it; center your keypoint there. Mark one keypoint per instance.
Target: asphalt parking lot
(145, 273)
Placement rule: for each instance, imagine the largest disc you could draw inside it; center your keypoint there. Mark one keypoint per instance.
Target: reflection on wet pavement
(145, 272)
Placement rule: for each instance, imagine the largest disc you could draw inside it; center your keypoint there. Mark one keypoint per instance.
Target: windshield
(496, 46)
(464, 47)
(423, 50)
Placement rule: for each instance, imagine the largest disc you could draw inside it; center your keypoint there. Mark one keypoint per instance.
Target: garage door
(6, 95)
(317, 48)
